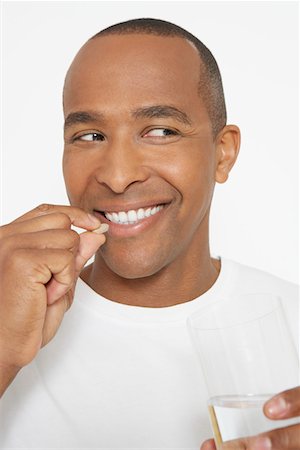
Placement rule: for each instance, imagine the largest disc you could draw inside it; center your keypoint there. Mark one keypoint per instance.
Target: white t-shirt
(122, 377)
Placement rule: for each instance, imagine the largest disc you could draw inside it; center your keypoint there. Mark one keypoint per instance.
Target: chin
(131, 274)
(133, 270)
(132, 265)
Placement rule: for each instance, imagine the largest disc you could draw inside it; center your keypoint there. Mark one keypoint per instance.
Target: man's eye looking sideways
(90, 137)
(160, 132)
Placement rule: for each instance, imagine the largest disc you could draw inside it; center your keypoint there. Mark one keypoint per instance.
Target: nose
(121, 164)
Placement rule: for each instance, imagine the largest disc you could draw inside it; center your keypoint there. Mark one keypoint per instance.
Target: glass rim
(224, 400)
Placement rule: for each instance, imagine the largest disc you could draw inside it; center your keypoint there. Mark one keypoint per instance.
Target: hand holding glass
(247, 356)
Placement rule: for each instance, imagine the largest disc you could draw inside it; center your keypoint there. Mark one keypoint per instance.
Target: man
(145, 141)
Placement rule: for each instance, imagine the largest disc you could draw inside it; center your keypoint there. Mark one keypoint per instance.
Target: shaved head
(210, 82)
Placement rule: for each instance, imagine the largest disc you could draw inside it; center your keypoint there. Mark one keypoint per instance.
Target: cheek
(192, 172)
(194, 178)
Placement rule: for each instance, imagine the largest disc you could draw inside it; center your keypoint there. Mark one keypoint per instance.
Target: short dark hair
(210, 83)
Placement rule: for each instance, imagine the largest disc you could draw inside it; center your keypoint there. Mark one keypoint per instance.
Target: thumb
(208, 445)
(89, 243)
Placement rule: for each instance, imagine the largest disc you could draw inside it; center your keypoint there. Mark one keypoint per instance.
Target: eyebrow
(82, 117)
(156, 111)
(161, 111)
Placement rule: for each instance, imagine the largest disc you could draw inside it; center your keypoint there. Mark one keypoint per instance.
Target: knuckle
(74, 237)
(38, 271)
(56, 220)
(51, 212)
(62, 220)
(45, 207)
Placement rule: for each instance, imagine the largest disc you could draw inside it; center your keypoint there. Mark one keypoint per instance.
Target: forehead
(133, 69)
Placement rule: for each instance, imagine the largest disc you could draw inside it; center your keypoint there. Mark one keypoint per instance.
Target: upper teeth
(132, 216)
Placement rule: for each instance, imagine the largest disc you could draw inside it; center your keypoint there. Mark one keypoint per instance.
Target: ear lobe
(228, 145)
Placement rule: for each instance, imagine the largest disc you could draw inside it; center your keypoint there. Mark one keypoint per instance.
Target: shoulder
(249, 280)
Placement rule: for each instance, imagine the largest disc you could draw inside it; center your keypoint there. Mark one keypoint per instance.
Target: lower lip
(127, 230)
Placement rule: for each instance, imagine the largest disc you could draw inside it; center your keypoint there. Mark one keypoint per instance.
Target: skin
(132, 166)
(167, 263)
(40, 261)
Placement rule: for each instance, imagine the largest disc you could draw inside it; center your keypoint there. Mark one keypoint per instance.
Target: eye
(90, 137)
(161, 133)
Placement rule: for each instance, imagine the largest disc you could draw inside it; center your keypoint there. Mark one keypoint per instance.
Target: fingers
(89, 243)
(49, 222)
(245, 444)
(40, 260)
(53, 232)
(38, 267)
(54, 317)
(287, 438)
(208, 445)
(284, 405)
(23, 305)
(76, 216)
(56, 238)
(43, 264)
(63, 277)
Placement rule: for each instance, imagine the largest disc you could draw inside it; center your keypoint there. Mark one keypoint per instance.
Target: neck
(177, 283)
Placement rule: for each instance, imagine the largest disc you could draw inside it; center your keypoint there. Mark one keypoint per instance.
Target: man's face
(138, 138)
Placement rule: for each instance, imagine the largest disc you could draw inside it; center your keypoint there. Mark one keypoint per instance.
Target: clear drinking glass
(247, 355)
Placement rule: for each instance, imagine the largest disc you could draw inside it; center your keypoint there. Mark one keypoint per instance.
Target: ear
(227, 150)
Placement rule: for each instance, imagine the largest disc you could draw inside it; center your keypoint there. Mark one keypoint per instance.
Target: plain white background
(254, 216)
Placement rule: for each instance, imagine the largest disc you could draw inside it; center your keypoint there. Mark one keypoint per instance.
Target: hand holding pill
(41, 258)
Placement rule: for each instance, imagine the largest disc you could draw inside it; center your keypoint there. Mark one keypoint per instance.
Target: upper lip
(130, 206)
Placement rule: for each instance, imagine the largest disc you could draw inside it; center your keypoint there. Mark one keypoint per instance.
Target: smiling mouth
(132, 216)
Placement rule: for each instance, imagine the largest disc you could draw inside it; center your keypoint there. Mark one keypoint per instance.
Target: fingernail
(262, 443)
(102, 229)
(277, 406)
(93, 219)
